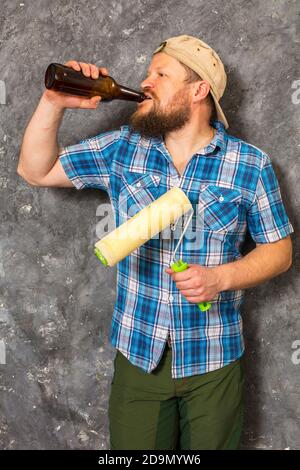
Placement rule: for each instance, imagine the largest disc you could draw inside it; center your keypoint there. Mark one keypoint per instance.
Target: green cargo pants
(154, 411)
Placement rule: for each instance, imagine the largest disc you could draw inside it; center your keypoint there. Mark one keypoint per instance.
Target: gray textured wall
(56, 299)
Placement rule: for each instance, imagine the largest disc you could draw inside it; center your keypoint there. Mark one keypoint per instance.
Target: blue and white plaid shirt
(234, 185)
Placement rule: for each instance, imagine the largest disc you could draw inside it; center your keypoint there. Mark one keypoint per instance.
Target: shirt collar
(219, 140)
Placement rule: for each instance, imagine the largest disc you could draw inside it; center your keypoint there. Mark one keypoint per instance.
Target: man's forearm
(39, 148)
(261, 264)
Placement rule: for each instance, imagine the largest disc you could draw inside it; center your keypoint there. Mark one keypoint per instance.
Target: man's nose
(147, 84)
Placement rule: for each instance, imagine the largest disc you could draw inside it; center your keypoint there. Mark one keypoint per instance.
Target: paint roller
(144, 225)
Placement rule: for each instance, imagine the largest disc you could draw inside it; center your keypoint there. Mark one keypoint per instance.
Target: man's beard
(158, 122)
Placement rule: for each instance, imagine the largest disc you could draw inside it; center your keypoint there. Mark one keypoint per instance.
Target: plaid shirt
(232, 187)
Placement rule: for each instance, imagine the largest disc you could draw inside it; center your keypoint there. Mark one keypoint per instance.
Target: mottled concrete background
(56, 299)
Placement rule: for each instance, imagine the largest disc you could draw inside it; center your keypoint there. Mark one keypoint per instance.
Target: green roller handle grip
(182, 266)
(100, 256)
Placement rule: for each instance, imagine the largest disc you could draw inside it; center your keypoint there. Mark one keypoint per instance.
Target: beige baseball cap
(201, 58)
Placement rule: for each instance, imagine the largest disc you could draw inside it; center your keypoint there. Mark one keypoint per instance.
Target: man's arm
(39, 150)
(38, 163)
(266, 261)
(202, 284)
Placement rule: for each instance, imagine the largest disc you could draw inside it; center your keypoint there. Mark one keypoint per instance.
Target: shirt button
(138, 185)
(221, 199)
(172, 226)
(171, 298)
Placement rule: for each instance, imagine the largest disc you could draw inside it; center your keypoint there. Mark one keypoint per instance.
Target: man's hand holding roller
(197, 283)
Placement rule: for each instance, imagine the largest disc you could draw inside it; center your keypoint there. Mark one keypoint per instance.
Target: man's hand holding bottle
(65, 100)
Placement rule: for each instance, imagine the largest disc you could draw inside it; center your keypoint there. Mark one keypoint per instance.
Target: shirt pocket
(138, 190)
(218, 208)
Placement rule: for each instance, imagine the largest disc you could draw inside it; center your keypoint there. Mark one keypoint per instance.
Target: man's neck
(187, 141)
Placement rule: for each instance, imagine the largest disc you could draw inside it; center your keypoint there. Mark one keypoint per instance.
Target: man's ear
(201, 90)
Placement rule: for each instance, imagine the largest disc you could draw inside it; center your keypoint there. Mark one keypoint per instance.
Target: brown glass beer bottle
(61, 78)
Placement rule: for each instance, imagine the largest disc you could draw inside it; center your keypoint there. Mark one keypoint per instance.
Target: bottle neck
(128, 94)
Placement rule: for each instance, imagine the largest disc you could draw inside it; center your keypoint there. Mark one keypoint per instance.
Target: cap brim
(220, 114)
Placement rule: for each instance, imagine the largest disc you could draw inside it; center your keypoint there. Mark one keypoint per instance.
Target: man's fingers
(196, 300)
(95, 100)
(188, 284)
(85, 68)
(183, 276)
(190, 293)
(94, 71)
(89, 70)
(74, 64)
(91, 103)
(103, 70)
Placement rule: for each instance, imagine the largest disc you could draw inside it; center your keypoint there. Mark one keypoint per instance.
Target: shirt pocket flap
(138, 191)
(217, 193)
(218, 208)
(140, 180)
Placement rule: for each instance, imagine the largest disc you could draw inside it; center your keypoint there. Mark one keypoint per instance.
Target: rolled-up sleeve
(267, 218)
(87, 164)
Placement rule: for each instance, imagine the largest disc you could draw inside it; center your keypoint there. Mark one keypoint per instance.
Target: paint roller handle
(180, 266)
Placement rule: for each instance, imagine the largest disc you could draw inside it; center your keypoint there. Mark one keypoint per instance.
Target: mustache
(147, 93)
